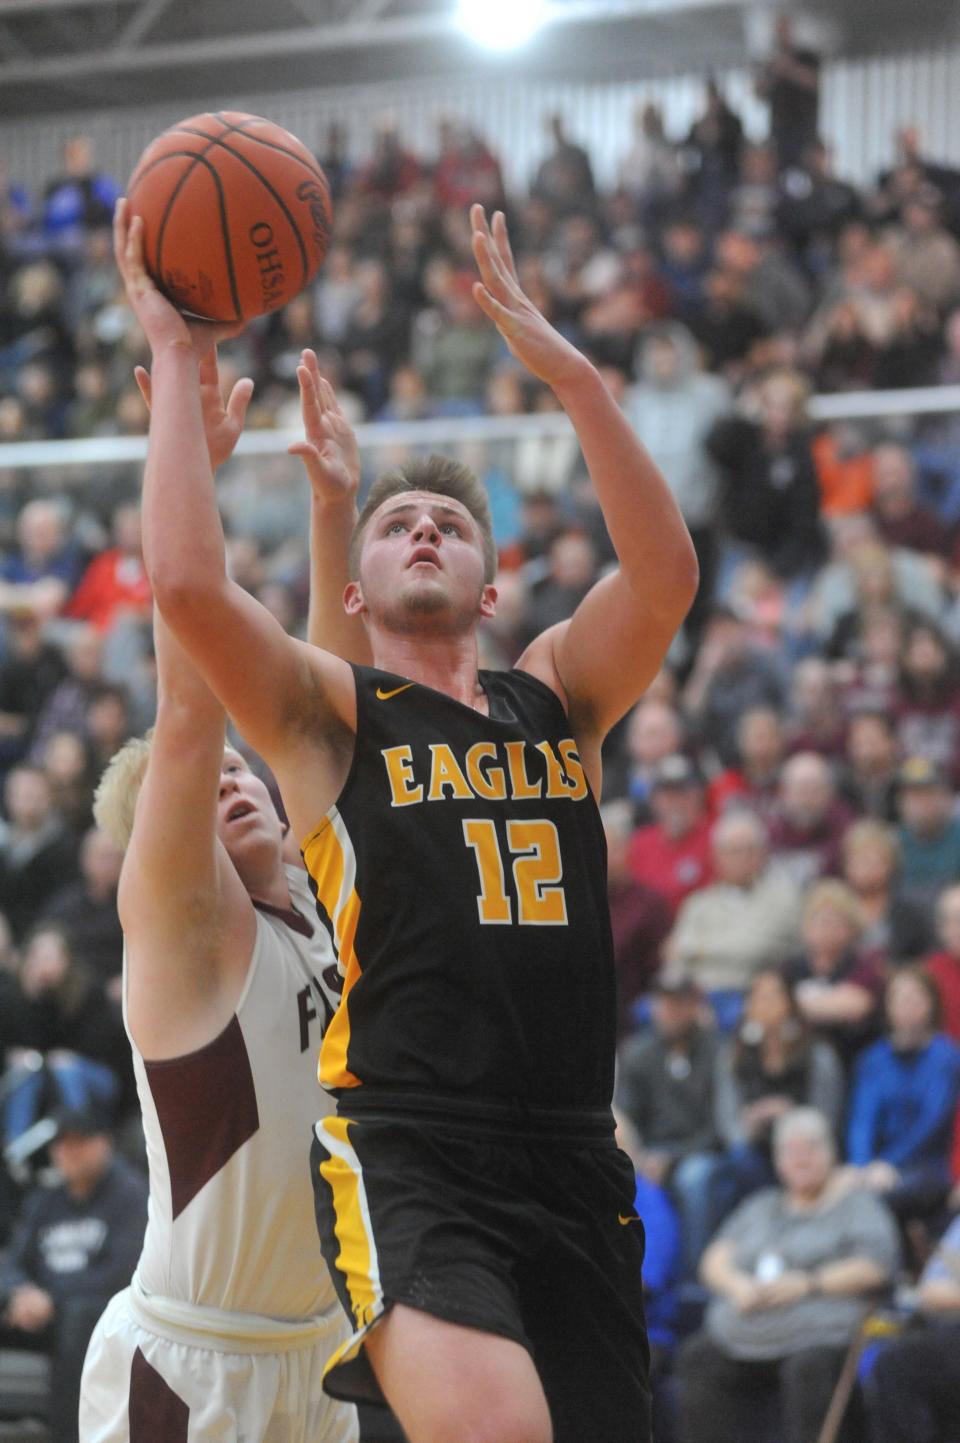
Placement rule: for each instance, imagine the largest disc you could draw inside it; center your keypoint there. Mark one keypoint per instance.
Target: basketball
(236, 215)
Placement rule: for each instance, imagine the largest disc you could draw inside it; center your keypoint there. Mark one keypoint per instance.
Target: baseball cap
(675, 771)
(921, 772)
(81, 1122)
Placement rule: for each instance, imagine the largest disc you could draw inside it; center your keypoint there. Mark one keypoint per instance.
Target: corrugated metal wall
(863, 104)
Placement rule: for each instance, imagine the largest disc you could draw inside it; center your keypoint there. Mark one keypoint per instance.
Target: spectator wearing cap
(74, 1246)
(837, 986)
(793, 1272)
(913, 1392)
(929, 829)
(745, 919)
(895, 929)
(810, 820)
(944, 965)
(639, 917)
(761, 745)
(672, 854)
(903, 1101)
(730, 675)
(665, 1088)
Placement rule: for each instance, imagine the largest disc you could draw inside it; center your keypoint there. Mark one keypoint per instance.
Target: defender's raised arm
(278, 690)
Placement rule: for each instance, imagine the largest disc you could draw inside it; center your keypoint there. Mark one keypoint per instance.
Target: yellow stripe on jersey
(330, 859)
(357, 1259)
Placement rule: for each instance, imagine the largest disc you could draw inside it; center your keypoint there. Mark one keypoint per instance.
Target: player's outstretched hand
(222, 423)
(329, 450)
(529, 335)
(162, 323)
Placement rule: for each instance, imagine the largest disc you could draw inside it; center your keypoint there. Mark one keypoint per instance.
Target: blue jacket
(902, 1105)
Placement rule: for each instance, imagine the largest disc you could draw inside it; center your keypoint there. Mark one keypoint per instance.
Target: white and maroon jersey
(228, 1129)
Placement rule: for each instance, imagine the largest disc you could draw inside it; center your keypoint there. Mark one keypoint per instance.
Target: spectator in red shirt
(115, 582)
(673, 854)
(391, 170)
(944, 966)
(761, 744)
(467, 170)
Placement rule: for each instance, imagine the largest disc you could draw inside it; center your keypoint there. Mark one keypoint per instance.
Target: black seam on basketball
(267, 186)
(227, 252)
(313, 168)
(169, 205)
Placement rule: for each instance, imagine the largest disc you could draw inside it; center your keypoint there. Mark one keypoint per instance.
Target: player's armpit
(602, 660)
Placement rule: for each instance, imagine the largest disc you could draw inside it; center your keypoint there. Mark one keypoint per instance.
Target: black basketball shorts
(524, 1230)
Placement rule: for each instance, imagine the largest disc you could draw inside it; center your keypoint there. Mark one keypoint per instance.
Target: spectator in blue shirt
(904, 1099)
(80, 199)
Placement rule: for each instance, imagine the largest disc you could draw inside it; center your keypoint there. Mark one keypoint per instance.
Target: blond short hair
(115, 800)
(835, 896)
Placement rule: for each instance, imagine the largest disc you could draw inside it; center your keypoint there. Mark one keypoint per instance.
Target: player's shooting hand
(163, 325)
(329, 450)
(222, 423)
(529, 335)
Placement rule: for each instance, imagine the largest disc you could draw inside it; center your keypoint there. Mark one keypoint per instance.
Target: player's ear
(488, 602)
(353, 602)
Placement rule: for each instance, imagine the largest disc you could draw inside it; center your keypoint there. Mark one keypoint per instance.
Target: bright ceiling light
(500, 24)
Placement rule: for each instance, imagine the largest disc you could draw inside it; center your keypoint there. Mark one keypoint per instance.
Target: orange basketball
(236, 215)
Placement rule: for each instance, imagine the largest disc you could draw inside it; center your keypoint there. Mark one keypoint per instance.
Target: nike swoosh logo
(386, 695)
(624, 1221)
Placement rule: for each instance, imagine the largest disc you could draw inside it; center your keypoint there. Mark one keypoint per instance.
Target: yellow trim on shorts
(331, 862)
(357, 1259)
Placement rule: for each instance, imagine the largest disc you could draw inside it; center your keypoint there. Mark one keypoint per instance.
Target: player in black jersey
(470, 1198)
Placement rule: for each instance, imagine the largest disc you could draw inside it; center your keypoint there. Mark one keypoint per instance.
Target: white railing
(454, 431)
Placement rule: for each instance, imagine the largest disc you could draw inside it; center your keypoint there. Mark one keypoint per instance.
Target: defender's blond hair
(115, 800)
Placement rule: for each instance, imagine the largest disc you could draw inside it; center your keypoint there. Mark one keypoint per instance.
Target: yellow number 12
(537, 869)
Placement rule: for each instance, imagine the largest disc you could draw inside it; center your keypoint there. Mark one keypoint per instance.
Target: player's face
(247, 820)
(421, 567)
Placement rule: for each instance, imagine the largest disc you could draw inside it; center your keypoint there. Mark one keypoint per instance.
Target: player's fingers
(142, 377)
(328, 396)
(504, 249)
(309, 358)
(239, 401)
(493, 272)
(309, 399)
(504, 319)
(120, 231)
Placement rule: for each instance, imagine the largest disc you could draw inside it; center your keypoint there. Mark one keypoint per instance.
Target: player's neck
(445, 663)
(266, 881)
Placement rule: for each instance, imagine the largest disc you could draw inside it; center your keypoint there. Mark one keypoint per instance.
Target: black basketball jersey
(462, 876)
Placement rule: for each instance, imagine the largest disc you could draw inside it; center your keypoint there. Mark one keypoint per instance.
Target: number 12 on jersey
(537, 871)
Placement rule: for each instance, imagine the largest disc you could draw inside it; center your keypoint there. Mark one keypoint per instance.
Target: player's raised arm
(275, 688)
(601, 660)
(331, 457)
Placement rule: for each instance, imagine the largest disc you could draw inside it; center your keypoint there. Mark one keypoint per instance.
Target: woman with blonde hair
(895, 929)
(837, 986)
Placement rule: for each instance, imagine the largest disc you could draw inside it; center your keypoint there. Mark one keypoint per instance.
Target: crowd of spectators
(780, 809)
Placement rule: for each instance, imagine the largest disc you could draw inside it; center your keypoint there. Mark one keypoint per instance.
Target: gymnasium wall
(863, 104)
